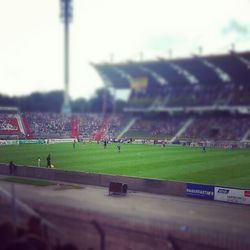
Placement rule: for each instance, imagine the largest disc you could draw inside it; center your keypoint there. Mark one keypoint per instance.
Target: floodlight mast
(66, 16)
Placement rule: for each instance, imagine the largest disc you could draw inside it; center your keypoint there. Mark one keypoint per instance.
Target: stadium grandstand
(179, 100)
(197, 98)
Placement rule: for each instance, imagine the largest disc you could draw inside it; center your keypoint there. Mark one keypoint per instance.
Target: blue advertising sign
(200, 191)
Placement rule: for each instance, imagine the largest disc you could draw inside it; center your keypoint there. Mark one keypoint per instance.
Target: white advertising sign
(54, 141)
(232, 195)
(9, 142)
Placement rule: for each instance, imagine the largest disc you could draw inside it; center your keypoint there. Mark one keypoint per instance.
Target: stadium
(166, 169)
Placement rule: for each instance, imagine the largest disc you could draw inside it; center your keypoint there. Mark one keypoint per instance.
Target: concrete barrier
(134, 183)
(147, 185)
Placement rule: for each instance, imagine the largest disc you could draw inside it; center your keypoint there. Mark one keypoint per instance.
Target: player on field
(118, 146)
(105, 143)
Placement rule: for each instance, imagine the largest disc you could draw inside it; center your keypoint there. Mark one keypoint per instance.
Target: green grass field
(216, 166)
(29, 181)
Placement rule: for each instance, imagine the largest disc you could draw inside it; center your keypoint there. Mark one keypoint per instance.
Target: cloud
(236, 27)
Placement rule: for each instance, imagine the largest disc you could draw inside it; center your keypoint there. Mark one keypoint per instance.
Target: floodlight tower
(66, 16)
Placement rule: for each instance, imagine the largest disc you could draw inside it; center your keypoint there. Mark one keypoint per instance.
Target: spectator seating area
(214, 90)
(164, 128)
(10, 127)
(218, 128)
(88, 126)
(116, 124)
(9, 124)
(49, 125)
(225, 128)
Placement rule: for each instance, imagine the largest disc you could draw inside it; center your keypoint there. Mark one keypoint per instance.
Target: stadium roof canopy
(197, 70)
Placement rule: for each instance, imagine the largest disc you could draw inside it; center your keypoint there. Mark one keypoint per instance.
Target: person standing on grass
(39, 162)
(105, 143)
(74, 144)
(118, 147)
(49, 161)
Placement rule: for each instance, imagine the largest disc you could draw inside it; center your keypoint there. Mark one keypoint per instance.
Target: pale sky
(31, 44)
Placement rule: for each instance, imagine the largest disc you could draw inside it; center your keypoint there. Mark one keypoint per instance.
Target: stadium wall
(135, 184)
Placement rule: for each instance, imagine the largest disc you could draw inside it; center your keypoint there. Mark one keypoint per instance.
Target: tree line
(102, 101)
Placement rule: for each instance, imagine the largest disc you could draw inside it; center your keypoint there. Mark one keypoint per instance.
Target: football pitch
(188, 164)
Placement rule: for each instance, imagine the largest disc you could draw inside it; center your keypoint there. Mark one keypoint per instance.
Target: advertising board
(40, 141)
(233, 195)
(9, 142)
(54, 141)
(200, 191)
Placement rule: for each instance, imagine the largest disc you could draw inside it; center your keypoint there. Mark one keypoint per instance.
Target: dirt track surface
(146, 211)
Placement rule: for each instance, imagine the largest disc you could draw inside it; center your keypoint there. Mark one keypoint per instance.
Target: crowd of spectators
(55, 125)
(49, 125)
(9, 128)
(8, 122)
(116, 124)
(156, 128)
(226, 128)
(89, 124)
(218, 128)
